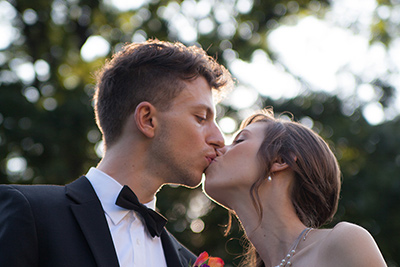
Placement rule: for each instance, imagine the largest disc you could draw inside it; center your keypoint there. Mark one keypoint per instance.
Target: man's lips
(209, 159)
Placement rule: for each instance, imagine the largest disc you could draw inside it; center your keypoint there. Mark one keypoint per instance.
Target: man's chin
(189, 184)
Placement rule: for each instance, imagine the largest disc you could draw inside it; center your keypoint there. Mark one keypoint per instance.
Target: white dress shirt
(133, 244)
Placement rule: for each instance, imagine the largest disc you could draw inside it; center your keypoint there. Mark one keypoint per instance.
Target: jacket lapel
(90, 216)
(172, 251)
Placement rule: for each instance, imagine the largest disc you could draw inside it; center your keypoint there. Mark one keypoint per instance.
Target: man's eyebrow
(204, 107)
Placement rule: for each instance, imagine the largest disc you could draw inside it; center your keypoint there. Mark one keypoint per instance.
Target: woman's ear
(279, 165)
(145, 118)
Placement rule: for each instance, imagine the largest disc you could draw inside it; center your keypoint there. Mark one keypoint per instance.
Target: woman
(283, 182)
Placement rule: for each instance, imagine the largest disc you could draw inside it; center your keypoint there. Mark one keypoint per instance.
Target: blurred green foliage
(48, 133)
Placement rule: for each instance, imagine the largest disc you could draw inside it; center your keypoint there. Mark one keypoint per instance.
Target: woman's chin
(218, 201)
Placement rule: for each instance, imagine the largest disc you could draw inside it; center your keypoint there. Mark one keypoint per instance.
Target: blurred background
(335, 65)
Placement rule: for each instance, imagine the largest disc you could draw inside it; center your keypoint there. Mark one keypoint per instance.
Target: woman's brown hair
(315, 192)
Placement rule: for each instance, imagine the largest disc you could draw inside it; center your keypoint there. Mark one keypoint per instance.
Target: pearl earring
(269, 178)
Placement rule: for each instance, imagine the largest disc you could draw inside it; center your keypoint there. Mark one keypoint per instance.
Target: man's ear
(145, 118)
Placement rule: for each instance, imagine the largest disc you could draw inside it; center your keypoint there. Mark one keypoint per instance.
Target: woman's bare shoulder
(348, 244)
(346, 231)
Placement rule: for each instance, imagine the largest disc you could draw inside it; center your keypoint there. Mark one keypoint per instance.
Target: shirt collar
(107, 190)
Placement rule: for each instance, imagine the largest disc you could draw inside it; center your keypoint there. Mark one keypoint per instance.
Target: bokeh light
(16, 165)
(197, 226)
(94, 47)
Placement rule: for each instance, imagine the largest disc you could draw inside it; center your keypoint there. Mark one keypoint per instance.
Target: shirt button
(138, 241)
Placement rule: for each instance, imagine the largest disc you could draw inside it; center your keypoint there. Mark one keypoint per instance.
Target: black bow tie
(155, 222)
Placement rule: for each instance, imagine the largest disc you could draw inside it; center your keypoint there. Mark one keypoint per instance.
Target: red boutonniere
(204, 260)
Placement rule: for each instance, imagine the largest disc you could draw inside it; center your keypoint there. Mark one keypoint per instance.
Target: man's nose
(216, 139)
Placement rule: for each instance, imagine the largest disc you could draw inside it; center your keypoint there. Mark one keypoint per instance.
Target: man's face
(185, 141)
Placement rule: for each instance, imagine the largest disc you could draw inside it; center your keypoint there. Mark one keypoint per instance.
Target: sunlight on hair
(95, 47)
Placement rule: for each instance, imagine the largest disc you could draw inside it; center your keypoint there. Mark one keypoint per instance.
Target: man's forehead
(197, 92)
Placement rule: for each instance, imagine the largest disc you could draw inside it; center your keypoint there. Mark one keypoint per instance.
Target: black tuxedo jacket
(49, 225)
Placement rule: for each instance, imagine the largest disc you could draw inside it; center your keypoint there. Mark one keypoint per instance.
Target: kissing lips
(209, 160)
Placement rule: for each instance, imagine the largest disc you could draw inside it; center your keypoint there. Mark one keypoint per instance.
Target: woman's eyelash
(237, 141)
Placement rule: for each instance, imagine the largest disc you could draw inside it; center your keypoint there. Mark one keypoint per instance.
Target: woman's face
(238, 167)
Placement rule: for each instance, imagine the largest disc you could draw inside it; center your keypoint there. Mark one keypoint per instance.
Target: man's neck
(128, 170)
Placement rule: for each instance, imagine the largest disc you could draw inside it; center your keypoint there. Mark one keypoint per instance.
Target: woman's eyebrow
(241, 132)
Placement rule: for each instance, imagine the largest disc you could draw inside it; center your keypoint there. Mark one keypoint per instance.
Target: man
(153, 104)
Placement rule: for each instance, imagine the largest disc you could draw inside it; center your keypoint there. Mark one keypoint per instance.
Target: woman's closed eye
(241, 136)
(237, 141)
